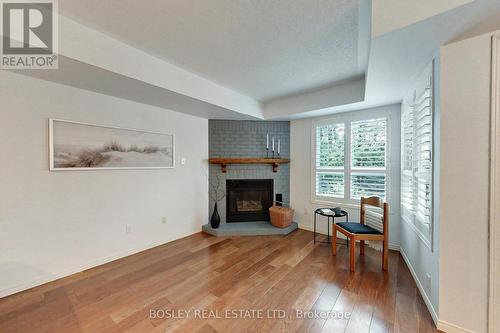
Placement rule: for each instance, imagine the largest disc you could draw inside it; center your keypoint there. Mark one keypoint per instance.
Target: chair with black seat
(360, 231)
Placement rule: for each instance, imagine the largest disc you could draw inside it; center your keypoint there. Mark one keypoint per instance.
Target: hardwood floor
(223, 276)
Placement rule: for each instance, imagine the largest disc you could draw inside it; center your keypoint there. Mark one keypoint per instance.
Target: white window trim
(347, 118)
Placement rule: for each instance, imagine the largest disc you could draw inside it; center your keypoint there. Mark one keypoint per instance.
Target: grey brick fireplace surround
(228, 138)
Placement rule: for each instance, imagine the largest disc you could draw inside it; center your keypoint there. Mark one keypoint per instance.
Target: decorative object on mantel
(267, 145)
(272, 146)
(224, 161)
(216, 196)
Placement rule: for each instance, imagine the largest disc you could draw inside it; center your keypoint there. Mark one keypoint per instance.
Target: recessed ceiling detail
(259, 59)
(260, 48)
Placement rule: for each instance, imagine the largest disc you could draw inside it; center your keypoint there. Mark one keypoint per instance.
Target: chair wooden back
(375, 202)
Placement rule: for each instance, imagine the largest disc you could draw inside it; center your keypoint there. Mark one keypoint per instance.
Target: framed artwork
(82, 146)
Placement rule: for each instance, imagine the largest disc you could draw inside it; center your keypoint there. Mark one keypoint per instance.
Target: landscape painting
(81, 146)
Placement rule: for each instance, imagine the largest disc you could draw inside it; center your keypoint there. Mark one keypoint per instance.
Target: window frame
(348, 170)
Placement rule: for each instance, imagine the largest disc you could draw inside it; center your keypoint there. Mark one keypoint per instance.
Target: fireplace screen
(248, 205)
(248, 200)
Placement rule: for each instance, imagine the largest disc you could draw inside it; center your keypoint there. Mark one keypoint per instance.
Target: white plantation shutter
(330, 184)
(423, 155)
(367, 185)
(407, 160)
(374, 217)
(416, 156)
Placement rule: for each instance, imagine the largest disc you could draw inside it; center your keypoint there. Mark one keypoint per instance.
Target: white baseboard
(421, 288)
(450, 328)
(305, 227)
(392, 246)
(49, 277)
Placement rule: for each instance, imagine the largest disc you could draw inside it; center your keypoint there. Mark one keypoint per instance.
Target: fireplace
(248, 199)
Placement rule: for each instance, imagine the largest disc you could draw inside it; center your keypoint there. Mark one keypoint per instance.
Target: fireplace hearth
(248, 200)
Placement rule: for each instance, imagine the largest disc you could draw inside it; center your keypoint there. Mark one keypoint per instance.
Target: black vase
(215, 219)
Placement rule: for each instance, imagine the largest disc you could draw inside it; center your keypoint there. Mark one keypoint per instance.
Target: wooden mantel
(224, 161)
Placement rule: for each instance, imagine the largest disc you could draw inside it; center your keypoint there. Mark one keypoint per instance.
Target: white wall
(56, 223)
(300, 176)
(465, 111)
(421, 257)
(390, 15)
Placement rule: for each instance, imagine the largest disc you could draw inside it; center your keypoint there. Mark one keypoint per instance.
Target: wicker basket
(281, 217)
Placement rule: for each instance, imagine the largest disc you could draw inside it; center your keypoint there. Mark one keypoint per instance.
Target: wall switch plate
(183, 160)
(428, 282)
(163, 220)
(128, 229)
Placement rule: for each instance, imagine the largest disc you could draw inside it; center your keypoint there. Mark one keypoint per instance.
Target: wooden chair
(360, 231)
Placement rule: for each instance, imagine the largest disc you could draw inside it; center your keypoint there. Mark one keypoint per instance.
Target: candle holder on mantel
(267, 152)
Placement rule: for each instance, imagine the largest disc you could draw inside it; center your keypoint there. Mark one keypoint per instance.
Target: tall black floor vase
(215, 219)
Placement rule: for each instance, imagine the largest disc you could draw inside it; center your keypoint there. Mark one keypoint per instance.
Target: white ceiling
(261, 48)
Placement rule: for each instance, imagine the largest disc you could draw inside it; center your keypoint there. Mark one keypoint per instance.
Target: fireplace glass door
(248, 199)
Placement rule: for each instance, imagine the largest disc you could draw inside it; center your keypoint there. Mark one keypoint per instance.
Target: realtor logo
(29, 34)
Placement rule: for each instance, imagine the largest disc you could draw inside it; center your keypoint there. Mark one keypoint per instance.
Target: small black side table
(328, 216)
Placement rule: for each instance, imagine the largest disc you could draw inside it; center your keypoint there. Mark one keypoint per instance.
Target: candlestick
(267, 141)
(273, 144)
(279, 142)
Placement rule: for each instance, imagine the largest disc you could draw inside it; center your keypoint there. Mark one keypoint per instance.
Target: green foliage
(368, 144)
(330, 139)
(368, 141)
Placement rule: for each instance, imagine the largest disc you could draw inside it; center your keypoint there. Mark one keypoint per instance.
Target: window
(416, 157)
(368, 147)
(350, 159)
(330, 160)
